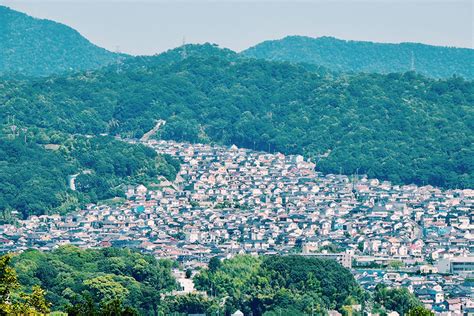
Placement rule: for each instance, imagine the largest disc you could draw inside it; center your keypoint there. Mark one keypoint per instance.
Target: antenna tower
(13, 127)
(25, 130)
(412, 64)
(184, 53)
(118, 62)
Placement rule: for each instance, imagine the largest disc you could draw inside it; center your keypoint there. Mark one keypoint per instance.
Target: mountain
(35, 47)
(357, 56)
(400, 127)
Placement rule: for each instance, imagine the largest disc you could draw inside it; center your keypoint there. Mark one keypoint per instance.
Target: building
(343, 258)
(457, 265)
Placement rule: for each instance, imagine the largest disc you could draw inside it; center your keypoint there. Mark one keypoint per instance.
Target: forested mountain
(357, 56)
(35, 47)
(401, 127)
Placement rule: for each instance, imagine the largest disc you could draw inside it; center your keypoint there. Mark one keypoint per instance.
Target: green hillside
(401, 127)
(357, 56)
(114, 281)
(87, 282)
(34, 176)
(35, 47)
(280, 285)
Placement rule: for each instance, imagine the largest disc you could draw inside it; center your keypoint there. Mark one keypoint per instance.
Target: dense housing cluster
(228, 200)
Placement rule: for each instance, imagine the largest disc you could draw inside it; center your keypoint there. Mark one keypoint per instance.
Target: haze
(149, 27)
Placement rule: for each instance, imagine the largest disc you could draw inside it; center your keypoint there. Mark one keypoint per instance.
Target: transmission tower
(25, 130)
(118, 62)
(13, 127)
(183, 52)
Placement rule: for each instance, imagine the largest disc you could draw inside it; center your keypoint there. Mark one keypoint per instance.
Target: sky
(147, 27)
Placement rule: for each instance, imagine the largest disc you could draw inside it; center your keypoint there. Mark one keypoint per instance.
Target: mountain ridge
(39, 47)
(365, 56)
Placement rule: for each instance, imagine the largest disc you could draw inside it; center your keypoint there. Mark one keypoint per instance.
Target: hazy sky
(152, 26)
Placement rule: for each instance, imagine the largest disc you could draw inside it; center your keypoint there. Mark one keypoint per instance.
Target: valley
(299, 176)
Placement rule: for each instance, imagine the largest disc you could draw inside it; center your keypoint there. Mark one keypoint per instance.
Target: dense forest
(34, 176)
(292, 284)
(114, 281)
(297, 285)
(82, 282)
(369, 57)
(35, 47)
(400, 127)
(13, 299)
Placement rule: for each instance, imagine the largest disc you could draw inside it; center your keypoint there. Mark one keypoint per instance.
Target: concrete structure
(457, 265)
(343, 258)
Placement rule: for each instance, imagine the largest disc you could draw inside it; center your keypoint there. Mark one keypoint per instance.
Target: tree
(106, 288)
(189, 273)
(8, 284)
(116, 308)
(420, 311)
(189, 303)
(37, 301)
(395, 264)
(14, 301)
(214, 264)
(399, 300)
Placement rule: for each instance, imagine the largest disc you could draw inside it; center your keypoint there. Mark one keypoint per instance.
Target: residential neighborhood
(229, 200)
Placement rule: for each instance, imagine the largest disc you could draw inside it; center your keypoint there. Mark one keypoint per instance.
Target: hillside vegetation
(292, 285)
(87, 282)
(399, 127)
(34, 180)
(369, 57)
(35, 47)
(113, 281)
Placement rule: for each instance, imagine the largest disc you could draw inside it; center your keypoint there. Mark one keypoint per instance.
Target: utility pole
(412, 64)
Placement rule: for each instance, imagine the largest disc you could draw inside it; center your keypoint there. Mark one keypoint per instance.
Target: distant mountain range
(402, 127)
(35, 47)
(369, 57)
